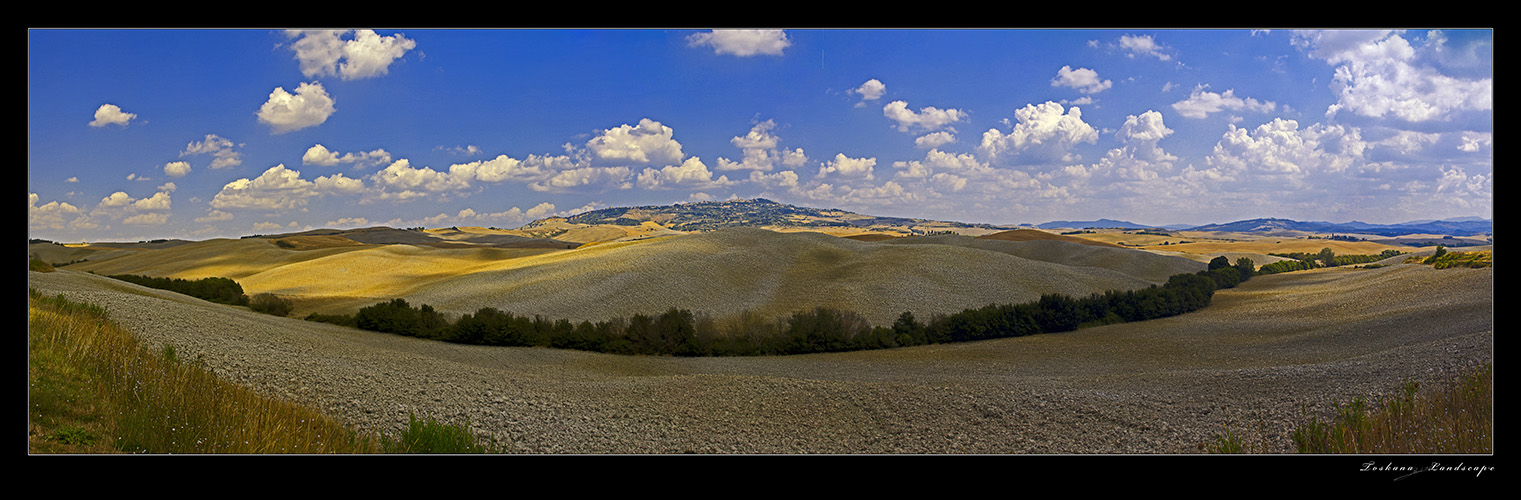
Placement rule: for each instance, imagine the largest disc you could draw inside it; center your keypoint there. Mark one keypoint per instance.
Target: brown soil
(1251, 362)
(1032, 234)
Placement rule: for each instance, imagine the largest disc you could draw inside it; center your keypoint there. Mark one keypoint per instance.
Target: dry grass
(96, 390)
(1259, 349)
(359, 278)
(872, 237)
(1217, 242)
(1145, 265)
(1035, 235)
(1456, 418)
(51, 253)
(345, 276)
(595, 234)
(721, 273)
(1271, 245)
(1450, 259)
(315, 242)
(235, 259)
(729, 271)
(469, 231)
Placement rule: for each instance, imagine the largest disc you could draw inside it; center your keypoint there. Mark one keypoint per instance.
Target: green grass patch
(63, 414)
(429, 436)
(38, 266)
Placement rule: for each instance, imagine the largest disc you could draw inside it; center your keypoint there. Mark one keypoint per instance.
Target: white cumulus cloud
(337, 183)
(934, 140)
(278, 188)
(570, 179)
(286, 112)
(52, 215)
(1201, 103)
(159, 201)
(872, 90)
(1380, 74)
(1144, 45)
(644, 144)
(214, 216)
(111, 114)
(692, 174)
(1084, 80)
(505, 168)
(742, 43)
(366, 55)
(928, 118)
(370, 54)
(761, 151)
(1044, 133)
(223, 151)
(115, 200)
(321, 156)
(1281, 148)
(176, 169)
(848, 167)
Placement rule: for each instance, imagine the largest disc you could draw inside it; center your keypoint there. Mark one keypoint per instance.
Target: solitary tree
(1327, 257)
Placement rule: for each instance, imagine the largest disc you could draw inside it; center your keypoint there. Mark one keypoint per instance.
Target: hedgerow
(220, 290)
(680, 332)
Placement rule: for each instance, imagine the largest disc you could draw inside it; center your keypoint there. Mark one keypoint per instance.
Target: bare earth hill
(718, 273)
(732, 270)
(1148, 266)
(1032, 234)
(1249, 362)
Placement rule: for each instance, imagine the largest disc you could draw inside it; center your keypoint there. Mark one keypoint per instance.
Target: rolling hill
(719, 258)
(1145, 265)
(1455, 227)
(740, 269)
(1100, 223)
(762, 213)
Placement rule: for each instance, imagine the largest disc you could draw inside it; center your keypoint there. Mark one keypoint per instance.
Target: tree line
(680, 332)
(1324, 258)
(219, 290)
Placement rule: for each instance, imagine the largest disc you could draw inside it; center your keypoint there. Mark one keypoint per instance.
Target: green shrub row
(269, 303)
(1442, 259)
(1325, 258)
(219, 290)
(679, 332)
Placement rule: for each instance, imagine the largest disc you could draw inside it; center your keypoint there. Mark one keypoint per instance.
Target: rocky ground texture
(1250, 362)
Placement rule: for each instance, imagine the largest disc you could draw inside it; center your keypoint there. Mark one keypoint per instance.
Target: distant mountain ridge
(760, 212)
(1460, 226)
(1101, 223)
(1457, 227)
(706, 216)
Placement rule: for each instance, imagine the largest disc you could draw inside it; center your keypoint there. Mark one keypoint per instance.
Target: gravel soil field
(1248, 362)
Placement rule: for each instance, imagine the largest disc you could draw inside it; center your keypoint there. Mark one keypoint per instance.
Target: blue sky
(140, 134)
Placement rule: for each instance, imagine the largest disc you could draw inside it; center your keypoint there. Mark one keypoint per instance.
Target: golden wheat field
(719, 273)
(1253, 361)
(598, 272)
(740, 269)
